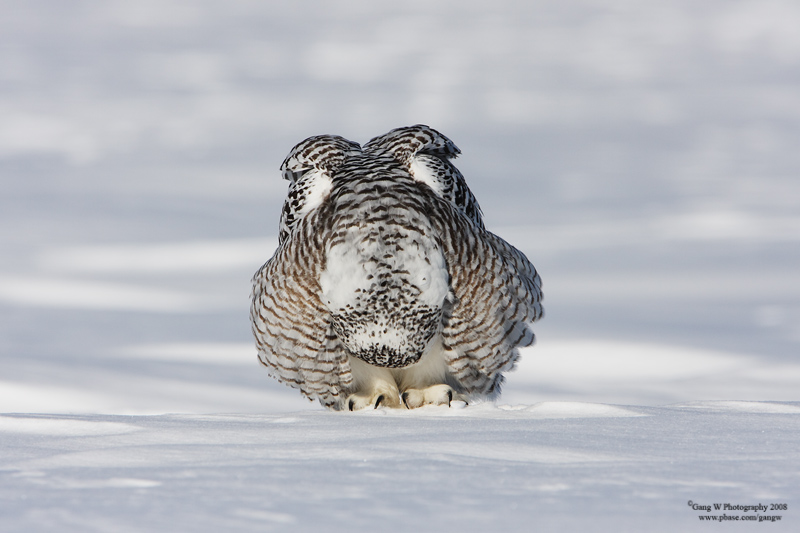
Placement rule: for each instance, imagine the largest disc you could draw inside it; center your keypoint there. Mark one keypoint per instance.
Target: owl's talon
(384, 397)
(433, 395)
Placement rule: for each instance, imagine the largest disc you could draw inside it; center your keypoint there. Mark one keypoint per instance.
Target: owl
(386, 290)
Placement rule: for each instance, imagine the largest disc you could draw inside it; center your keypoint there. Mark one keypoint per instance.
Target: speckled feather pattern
(382, 254)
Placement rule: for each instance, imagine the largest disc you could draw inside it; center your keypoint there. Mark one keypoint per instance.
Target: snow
(642, 155)
(557, 465)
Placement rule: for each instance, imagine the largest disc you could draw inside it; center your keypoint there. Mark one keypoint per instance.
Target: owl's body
(386, 289)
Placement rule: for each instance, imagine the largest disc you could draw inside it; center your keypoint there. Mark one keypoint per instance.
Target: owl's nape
(385, 289)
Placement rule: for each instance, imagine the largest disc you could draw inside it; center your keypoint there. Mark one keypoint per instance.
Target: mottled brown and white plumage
(386, 289)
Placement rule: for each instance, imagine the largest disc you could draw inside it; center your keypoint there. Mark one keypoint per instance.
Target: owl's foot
(433, 395)
(383, 397)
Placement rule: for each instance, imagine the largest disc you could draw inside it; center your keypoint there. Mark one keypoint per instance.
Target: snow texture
(560, 466)
(643, 155)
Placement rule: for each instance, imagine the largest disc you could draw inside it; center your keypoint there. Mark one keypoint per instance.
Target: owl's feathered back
(382, 254)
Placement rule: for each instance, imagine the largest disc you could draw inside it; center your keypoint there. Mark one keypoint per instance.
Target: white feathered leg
(375, 385)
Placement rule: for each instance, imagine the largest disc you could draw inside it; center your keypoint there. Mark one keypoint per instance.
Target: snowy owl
(386, 290)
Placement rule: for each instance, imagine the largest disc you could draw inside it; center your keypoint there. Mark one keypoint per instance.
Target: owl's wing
(426, 155)
(294, 335)
(308, 169)
(497, 295)
(448, 182)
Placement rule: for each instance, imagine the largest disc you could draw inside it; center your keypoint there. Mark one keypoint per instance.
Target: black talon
(404, 397)
(351, 404)
(449, 397)
(378, 401)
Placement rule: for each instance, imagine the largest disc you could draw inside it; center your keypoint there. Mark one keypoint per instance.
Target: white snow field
(642, 154)
(553, 466)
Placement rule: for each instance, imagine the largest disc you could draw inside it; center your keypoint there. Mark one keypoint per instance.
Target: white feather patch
(350, 272)
(421, 172)
(318, 188)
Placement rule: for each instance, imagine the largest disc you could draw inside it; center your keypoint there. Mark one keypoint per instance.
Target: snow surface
(554, 466)
(644, 156)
